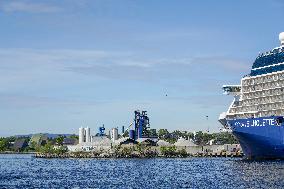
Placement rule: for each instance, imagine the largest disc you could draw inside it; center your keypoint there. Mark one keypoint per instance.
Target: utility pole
(207, 123)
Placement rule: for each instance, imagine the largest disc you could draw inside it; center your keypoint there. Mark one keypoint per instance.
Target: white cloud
(69, 80)
(123, 65)
(24, 70)
(32, 101)
(30, 7)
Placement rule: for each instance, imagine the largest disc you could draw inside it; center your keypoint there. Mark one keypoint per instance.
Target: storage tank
(132, 134)
(88, 134)
(81, 135)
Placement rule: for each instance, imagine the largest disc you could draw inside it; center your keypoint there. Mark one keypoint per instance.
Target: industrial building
(138, 132)
(89, 142)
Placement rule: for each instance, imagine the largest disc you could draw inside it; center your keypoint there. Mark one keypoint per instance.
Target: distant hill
(49, 135)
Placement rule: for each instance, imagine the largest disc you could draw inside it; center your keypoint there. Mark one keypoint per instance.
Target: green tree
(74, 137)
(46, 149)
(190, 135)
(163, 133)
(153, 133)
(59, 140)
(170, 140)
(207, 137)
(177, 134)
(225, 138)
(4, 144)
(203, 138)
(198, 137)
(33, 145)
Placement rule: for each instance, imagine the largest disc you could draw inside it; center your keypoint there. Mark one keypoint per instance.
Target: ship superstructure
(256, 114)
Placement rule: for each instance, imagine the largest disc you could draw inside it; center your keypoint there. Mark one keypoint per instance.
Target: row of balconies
(263, 79)
(261, 100)
(243, 115)
(263, 86)
(263, 94)
(257, 108)
(249, 115)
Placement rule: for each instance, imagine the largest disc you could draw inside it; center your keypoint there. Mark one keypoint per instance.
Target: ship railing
(261, 82)
(263, 78)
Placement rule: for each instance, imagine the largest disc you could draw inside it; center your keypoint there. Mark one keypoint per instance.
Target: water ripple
(23, 171)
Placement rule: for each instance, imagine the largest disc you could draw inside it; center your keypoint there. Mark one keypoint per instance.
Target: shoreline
(88, 155)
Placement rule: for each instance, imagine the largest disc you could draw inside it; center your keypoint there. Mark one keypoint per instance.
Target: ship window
(279, 120)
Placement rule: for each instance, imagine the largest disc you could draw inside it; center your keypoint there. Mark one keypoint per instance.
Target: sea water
(24, 171)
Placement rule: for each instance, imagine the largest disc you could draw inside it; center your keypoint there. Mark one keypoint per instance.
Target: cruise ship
(255, 116)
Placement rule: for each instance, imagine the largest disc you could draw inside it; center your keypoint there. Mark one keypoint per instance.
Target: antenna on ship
(281, 38)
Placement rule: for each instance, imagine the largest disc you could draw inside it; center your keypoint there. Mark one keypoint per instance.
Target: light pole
(207, 123)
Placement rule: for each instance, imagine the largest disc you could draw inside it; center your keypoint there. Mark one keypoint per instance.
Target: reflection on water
(23, 171)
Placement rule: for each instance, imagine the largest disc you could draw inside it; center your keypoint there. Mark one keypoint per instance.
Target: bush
(46, 149)
(182, 153)
(61, 150)
(168, 151)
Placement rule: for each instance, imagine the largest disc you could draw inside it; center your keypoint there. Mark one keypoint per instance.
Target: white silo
(114, 134)
(88, 134)
(81, 135)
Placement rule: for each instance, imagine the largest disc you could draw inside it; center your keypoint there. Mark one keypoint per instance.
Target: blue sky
(71, 63)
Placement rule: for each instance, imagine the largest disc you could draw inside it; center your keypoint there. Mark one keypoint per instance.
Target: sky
(71, 63)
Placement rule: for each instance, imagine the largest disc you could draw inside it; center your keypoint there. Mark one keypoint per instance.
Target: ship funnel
(281, 38)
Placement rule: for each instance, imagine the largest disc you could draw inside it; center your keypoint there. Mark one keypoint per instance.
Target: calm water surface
(23, 171)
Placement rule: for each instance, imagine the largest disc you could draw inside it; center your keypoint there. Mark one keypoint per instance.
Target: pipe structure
(141, 124)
